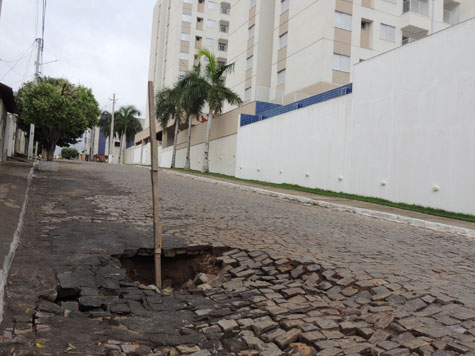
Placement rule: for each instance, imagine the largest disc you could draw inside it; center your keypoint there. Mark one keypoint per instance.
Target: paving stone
(410, 323)
(261, 325)
(331, 351)
(415, 305)
(291, 292)
(227, 325)
(396, 352)
(333, 334)
(287, 338)
(380, 292)
(388, 345)
(312, 336)
(326, 324)
(271, 335)
(298, 271)
(415, 343)
(384, 321)
(314, 268)
(378, 337)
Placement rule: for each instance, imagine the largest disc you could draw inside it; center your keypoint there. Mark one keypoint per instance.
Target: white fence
(406, 134)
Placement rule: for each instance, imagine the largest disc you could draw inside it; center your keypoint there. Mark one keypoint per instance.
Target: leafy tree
(61, 111)
(69, 153)
(217, 95)
(168, 107)
(194, 89)
(126, 125)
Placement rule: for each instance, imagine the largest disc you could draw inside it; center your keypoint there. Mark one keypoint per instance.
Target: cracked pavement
(296, 279)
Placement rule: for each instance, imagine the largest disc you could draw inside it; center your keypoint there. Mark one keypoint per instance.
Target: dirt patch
(181, 269)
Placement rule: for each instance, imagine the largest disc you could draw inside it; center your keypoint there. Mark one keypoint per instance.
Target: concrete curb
(341, 208)
(13, 245)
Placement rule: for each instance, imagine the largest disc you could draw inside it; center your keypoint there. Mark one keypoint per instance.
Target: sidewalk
(13, 185)
(377, 208)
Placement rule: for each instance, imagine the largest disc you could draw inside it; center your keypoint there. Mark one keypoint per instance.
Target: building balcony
(420, 7)
(415, 21)
(407, 40)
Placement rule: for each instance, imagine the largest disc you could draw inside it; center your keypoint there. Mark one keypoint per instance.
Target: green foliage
(69, 153)
(105, 123)
(60, 111)
(126, 121)
(215, 71)
(168, 106)
(194, 91)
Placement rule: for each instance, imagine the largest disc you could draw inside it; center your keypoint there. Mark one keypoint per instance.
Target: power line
(12, 68)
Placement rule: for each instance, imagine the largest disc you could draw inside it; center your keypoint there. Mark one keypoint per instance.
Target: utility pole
(31, 140)
(157, 229)
(111, 137)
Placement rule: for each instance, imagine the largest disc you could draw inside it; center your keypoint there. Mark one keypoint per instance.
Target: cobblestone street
(293, 278)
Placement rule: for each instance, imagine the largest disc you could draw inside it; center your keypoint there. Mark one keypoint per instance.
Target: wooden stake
(157, 229)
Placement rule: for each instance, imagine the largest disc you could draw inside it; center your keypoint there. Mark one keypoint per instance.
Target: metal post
(111, 137)
(157, 230)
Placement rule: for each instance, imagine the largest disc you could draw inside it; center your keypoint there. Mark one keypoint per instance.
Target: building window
(222, 46)
(284, 5)
(185, 37)
(184, 56)
(225, 8)
(391, 1)
(388, 33)
(224, 28)
(253, 3)
(189, 1)
(247, 94)
(252, 29)
(341, 62)
(181, 73)
(186, 18)
(281, 77)
(283, 40)
(210, 23)
(250, 61)
(212, 5)
(343, 21)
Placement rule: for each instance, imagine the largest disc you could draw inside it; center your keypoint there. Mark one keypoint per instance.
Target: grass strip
(329, 193)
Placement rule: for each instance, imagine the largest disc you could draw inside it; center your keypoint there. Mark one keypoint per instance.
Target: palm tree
(105, 123)
(194, 89)
(218, 94)
(168, 108)
(127, 125)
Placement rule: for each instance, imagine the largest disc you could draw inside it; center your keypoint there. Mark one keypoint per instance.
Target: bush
(69, 153)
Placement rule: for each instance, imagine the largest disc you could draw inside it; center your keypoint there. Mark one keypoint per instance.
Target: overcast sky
(101, 44)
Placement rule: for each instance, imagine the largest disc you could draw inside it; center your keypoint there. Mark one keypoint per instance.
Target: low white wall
(406, 134)
(303, 147)
(222, 156)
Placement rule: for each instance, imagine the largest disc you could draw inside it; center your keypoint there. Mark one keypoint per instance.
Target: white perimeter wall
(222, 156)
(410, 123)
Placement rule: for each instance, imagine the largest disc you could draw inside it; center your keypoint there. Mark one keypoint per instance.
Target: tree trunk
(175, 140)
(188, 145)
(205, 168)
(50, 154)
(123, 144)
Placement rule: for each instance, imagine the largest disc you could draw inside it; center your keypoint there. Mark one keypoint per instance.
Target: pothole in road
(182, 269)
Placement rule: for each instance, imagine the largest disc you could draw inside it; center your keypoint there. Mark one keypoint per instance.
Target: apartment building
(180, 28)
(287, 50)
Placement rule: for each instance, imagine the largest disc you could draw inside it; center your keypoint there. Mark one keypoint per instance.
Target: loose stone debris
(243, 303)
